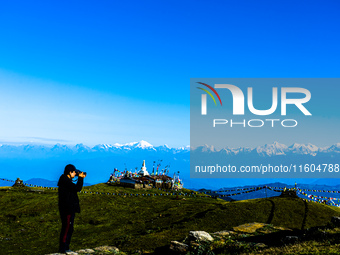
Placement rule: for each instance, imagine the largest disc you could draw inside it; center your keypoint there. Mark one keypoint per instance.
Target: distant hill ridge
(45, 183)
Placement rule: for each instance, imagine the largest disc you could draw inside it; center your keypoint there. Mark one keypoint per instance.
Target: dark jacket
(67, 192)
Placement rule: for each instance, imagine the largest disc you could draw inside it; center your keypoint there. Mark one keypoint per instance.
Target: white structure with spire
(143, 171)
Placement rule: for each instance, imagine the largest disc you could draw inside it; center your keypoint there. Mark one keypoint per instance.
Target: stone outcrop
(178, 247)
(249, 227)
(224, 233)
(200, 236)
(18, 183)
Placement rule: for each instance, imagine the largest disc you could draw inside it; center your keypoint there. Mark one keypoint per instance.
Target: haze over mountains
(47, 162)
(295, 159)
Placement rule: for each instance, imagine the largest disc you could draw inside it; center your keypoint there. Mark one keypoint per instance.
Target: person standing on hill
(68, 204)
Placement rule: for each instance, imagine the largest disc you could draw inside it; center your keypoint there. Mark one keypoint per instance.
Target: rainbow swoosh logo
(209, 93)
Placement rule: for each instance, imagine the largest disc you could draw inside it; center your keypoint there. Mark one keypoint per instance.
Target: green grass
(29, 221)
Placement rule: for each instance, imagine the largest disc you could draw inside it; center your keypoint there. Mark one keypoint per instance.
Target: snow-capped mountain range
(274, 149)
(61, 149)
(43, 161)
(267, 150)
(48, 161)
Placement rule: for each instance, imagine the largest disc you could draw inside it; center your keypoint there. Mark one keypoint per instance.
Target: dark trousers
(67, 221)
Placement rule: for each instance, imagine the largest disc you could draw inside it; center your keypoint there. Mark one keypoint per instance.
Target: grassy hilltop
(29, 219)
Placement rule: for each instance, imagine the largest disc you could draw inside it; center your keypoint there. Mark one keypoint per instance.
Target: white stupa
(143, 171)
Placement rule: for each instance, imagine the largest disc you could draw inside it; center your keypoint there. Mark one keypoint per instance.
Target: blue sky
(112, 71)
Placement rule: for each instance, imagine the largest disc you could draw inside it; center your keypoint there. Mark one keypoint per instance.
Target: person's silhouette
(68, 204)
